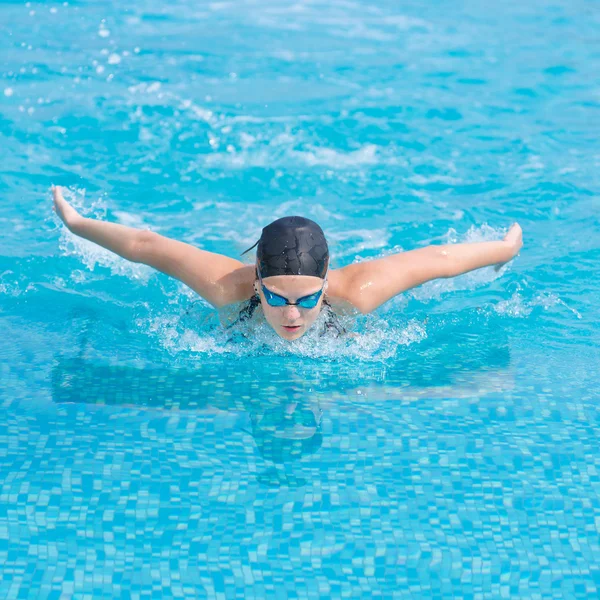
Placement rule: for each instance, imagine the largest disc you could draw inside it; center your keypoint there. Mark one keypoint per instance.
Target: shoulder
(337, 280)
(339, 291)
(238, 285)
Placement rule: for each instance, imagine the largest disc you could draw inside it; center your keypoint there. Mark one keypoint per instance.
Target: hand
(68, 215)
(514, 239)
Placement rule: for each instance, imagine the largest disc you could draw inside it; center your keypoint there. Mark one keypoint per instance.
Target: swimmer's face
(291, 322)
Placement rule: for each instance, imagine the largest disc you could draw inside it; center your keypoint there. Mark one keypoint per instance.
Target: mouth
(291, 328)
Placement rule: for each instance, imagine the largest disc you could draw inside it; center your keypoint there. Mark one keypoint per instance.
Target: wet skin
(291, 322)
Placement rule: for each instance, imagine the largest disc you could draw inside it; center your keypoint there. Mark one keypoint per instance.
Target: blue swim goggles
(274, 299)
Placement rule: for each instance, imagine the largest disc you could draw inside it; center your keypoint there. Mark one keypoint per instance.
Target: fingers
(513, 229)
(514, 232)
(57, 192)
(514, 238)
(61, 207)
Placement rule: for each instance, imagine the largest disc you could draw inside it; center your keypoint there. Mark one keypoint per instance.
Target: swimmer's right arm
(218, 279)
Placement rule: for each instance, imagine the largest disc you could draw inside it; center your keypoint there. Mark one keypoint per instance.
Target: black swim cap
(292, 246)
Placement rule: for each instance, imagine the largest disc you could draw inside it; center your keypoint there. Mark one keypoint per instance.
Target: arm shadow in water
(285, 423)
(284, 401)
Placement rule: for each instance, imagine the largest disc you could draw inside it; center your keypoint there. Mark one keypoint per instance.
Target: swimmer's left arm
(369, 284)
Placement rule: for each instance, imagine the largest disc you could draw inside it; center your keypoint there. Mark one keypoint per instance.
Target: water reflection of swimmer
(285, 425)
(285, 417)
(283, 405)
(290, 285)
(287, 431)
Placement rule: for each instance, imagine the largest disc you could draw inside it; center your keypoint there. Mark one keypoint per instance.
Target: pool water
(448, 448)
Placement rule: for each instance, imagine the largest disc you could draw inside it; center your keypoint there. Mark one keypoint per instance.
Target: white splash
(197, 331)
(519, 307)
(91, 254)
(9, 285)
(433, 290)
(366, 155)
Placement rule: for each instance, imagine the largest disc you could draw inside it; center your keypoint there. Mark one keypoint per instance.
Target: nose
(291, 313)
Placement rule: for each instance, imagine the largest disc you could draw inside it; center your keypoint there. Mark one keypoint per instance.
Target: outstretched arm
(219, 279)
(369, 284)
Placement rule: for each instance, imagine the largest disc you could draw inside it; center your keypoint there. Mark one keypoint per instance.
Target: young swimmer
(291, 281)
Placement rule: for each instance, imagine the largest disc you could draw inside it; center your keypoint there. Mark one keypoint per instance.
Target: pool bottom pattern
(105, 502)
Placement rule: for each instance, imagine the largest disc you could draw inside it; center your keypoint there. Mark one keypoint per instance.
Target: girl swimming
(291, 282)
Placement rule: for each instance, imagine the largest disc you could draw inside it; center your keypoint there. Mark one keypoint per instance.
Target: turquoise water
(449, 448)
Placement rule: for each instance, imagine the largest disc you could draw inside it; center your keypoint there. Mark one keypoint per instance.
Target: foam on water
(11, 284)
(91, 254)
(520, 306)
(373, 340)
